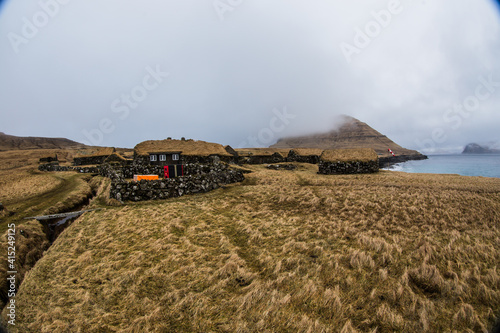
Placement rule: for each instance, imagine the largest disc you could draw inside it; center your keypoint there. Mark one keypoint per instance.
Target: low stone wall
(281, 167)
(56, 167)
(219, 175)
(48, 159)
(345, 168)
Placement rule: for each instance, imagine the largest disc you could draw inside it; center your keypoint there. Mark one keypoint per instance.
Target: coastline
(388, 161)
(470, 165)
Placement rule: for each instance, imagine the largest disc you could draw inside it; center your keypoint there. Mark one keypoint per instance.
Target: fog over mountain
(115, 73)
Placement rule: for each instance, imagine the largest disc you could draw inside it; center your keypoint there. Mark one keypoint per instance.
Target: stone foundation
(294, 157)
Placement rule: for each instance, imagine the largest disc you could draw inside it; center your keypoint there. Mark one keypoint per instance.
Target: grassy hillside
(286, 251)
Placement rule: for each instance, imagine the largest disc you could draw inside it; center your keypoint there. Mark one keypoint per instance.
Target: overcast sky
(246, 72)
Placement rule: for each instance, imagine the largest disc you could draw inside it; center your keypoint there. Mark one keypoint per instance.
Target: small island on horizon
(474, 148)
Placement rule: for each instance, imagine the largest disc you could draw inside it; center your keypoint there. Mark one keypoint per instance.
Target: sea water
(465, 165)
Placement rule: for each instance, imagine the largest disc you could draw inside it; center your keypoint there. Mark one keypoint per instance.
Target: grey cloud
(227, 76)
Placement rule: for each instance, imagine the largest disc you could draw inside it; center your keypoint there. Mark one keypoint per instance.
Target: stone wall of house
(344, 168)
(56, 167)
(219, 175)
(294, 157)
(126, 172)
(188, 159)
(89, 160)
(262, 159)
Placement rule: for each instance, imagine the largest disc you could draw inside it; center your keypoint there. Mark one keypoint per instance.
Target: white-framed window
(152, 158)
(175, 157)
(163, 158)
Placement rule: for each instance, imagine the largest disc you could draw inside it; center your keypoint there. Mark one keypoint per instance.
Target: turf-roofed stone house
(178, 152)
(94, 156)
(117, 158)
(261, 155)
(305, 155)
(348, 161)
(180, 166)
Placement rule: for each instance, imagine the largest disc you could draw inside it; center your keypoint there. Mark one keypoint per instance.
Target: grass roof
(308, 151)
(247, 152)
(349, 155)
(104, 151)
(119, 156)
(185, 147)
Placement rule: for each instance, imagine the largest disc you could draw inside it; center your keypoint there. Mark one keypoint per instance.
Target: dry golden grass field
(285, 251)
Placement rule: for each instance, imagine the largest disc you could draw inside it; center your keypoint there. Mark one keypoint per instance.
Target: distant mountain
(351, 133)
(10, 142)
(474, 148)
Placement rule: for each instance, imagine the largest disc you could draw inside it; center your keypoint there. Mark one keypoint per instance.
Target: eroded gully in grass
(41, 242)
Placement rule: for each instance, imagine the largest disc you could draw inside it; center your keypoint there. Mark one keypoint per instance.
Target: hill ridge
(351, 133)
(11, 142)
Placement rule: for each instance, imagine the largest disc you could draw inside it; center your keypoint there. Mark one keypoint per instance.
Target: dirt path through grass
(37, 204)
